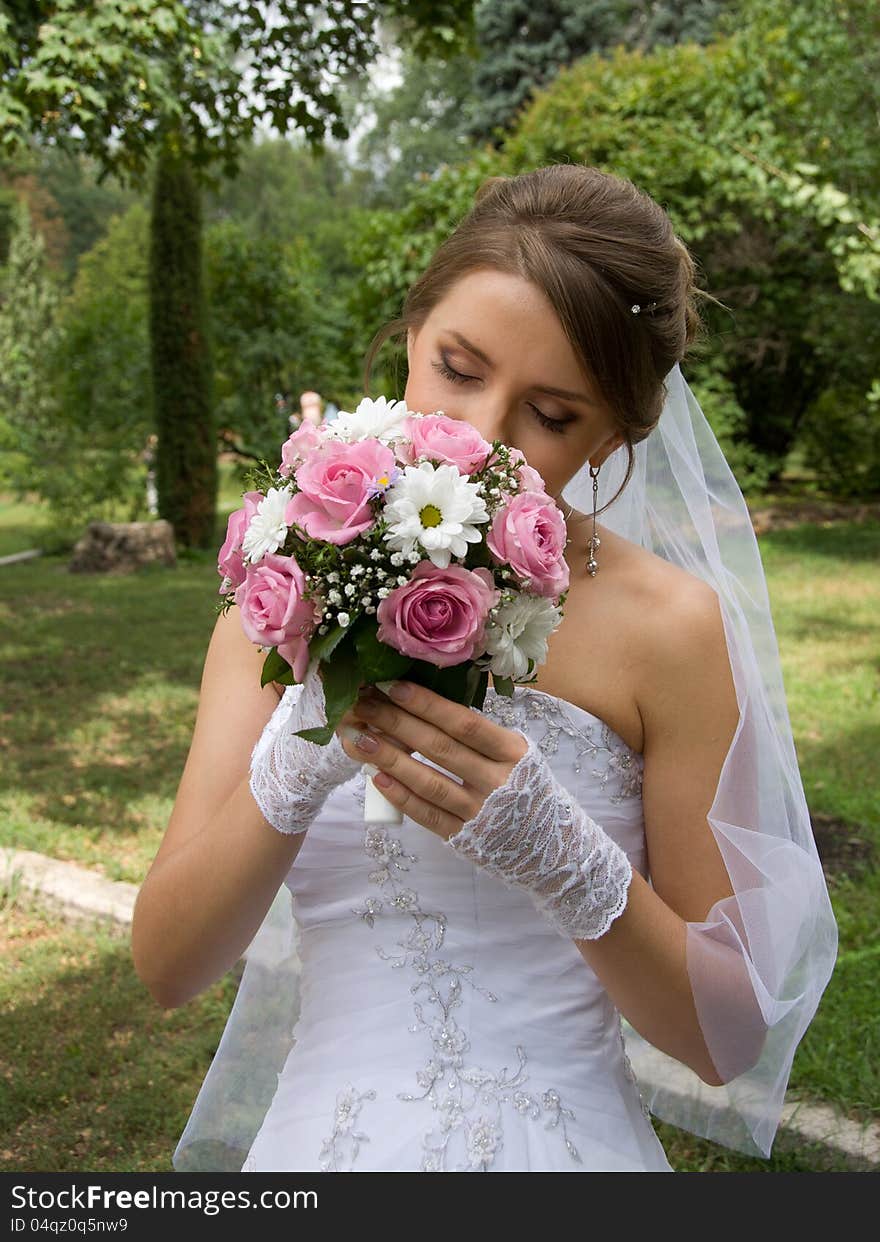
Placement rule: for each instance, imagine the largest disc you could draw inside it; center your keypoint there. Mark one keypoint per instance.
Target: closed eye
(556, 425)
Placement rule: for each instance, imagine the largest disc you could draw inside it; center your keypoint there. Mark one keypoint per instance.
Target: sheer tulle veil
(760, 960)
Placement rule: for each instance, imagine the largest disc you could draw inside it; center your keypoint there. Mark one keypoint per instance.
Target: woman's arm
(220, 864)
(690, 715)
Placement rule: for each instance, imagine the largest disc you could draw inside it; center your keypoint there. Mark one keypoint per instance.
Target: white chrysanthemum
(519, 633)
(379, 418)
(267, 529)
(434, 507)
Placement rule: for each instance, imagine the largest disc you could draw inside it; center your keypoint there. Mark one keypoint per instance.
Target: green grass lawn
(100, 682)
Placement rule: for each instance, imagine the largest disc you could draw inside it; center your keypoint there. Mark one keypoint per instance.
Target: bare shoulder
(673, 617)
(685, 647)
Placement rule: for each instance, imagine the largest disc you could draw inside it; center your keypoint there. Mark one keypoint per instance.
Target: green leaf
(453, 683)
(276, 668)
(503, 685)
(342, 679)
(323, 646)
(378, 661)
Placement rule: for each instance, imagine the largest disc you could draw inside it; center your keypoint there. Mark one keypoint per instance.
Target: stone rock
(123, 547)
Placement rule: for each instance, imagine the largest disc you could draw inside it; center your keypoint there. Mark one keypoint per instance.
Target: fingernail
(361, 740)
(400, 691)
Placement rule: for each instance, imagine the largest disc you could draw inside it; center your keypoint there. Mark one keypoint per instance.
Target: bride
(625, 840)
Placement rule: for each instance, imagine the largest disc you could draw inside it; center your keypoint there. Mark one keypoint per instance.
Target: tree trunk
(186, 454)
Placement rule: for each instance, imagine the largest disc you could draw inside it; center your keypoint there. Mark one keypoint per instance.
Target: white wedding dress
(444, 1024)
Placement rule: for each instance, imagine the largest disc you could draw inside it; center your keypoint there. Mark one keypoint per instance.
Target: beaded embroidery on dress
(446, 1026)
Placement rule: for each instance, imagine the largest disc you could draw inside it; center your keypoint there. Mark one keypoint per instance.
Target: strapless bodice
(444, 1024)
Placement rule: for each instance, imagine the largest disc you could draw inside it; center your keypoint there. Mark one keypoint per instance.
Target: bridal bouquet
(388, 544)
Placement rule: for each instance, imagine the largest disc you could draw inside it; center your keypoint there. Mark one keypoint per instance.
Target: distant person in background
(311, 408)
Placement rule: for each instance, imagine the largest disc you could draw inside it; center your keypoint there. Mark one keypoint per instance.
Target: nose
(490, 419)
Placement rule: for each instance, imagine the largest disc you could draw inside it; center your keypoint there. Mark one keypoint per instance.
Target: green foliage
(32, 445)
(275, 333)
(840, 437)
(75, 388)
(417, 126)
(392, 248)
(125, 78)
(116, 78)
(523, 45)
(710, 132)
(716, 394)
(186, 461)
(259, 323)
(102, 378)
(85, 207)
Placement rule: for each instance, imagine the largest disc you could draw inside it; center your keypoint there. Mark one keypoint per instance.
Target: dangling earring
(595, 541)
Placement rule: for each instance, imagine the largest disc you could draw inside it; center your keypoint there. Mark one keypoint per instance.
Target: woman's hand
(463, 742)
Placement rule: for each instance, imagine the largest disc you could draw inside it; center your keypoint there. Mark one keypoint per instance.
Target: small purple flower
(382, 482)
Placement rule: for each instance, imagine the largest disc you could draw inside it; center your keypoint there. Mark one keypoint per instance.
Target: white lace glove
(533, 835)
(291, 778)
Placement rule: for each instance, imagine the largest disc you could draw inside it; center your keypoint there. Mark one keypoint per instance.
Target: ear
(610, 446)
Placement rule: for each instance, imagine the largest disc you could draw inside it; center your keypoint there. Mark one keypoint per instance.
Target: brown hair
(595, 244)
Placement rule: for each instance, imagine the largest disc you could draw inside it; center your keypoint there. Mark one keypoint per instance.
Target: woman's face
(503, 393)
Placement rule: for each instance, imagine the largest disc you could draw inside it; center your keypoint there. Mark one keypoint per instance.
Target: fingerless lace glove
(533, 836)
(291, 778)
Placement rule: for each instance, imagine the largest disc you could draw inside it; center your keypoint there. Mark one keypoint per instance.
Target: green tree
(287, 191)
(31, 443)
(193, 81)
(417, 125)
(102, 376)
(269, 328)
(186, 471)
(85, 206)
(523, 46)
(709, 132)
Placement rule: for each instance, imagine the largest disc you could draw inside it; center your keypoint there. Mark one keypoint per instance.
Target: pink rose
(440, 615)
(229, 559)
(336, 485)
(274, 610)
(297, 447)
(529, 535)
(529, 479)
(449, 441)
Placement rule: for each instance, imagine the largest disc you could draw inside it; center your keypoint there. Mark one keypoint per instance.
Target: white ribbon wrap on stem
(377, 808)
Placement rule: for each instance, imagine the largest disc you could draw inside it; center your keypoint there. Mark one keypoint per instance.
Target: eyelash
(552, 424)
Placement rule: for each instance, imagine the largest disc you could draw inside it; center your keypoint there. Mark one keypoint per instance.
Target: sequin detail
(628, 1071)
(623, 769)
(339, 1150)
(467, 1098)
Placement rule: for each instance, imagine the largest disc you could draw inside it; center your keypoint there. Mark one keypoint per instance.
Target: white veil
(758, 964)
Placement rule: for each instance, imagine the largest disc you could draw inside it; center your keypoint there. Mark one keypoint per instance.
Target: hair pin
(636, 309)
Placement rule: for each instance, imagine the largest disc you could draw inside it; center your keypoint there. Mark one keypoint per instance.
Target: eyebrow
(553, 392)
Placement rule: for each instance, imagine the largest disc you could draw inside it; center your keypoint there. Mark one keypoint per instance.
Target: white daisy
(435, 507)
(380, 418)
(518, 633)
(267, 529)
